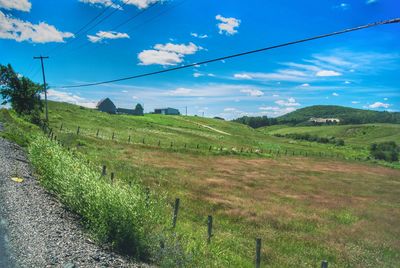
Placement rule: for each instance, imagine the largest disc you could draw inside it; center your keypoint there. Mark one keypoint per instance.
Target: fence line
(219, 148)
(176, 207)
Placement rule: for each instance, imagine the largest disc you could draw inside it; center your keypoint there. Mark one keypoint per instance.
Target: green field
(358, 136)
(305, 209)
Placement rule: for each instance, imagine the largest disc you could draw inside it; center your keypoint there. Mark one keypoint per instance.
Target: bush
(388, 151)
(312, 138)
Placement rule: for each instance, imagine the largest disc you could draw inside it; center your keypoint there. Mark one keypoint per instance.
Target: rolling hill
(346, 115)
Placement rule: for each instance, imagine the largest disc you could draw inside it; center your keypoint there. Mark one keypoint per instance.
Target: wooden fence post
(97, 133)
(78, 130)
(104, 171)
(324, 264)
(258, 252)
(143, 141)
(129, 139)
(112, 177)
(61, 127)
(113, 136)
(159, 143)
(209, 228)
(185, 145)
(176, 209)
(172, 144)
(209, 149)
(197, 147)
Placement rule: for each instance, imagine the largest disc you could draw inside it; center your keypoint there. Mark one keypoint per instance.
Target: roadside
(41, 233)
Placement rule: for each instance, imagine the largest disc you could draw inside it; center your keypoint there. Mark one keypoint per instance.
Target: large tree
(22, 93)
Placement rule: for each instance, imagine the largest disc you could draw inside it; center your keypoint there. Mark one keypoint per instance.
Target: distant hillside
(345, 114)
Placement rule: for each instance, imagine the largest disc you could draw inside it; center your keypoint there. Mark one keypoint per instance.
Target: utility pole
(44, 85)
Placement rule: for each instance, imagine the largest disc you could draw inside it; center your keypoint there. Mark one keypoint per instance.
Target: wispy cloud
(253, 92)
(289, 102)
(101, 3)
(378, 105)
(200, 36)
(103, 35)
(62, 96)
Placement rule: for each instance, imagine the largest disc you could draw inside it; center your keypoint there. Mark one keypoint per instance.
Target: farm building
(167, 111)
(107, 106)
(324, 120)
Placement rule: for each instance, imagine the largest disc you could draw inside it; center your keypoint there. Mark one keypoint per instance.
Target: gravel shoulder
(36, 228)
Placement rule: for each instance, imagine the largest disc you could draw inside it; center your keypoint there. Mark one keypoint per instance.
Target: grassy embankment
(305, 209)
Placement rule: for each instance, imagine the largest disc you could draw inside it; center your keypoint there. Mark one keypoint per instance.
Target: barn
(167, 111)
(107, 106)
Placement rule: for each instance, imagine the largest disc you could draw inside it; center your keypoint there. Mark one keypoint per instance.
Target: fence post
(113, 136)
(143, 141)
(324, 264)
(112, 177)
(172, 144)
(61, 127)
(258, 252)
(209, 228)
(103, 172)
(129, 139)
(209, 149)
(78, 130)
(159, 143)
(176, 209)
(197, 146)
(185, 145)
(147, 191)
(97, 133)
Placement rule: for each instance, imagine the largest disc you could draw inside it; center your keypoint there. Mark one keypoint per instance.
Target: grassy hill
(355, 135)
(305, 208)
(345, 114)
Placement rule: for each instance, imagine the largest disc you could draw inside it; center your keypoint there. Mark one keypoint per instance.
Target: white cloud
(181, 92)
(289, 102)
(227, 25)
(200, 36)
(18, 30)
(242, 76)
(197, 75)
(229, 109)
(371, 1)
(347, 82)
(168, 54)
(135, 97)
(101, 35)
(142, 3)
(343, 6)
(70, 98)
(335, 94)
(276, 110)
(305, 85)
(124, 91)
(253, 92)
(385, 99)
(21, 5)
(325, 73)
(379, 105)
(355, 102)
(99, 3)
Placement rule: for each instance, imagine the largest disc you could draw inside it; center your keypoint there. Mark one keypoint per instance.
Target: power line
(396, 20)
(84, 26)
(118, 26)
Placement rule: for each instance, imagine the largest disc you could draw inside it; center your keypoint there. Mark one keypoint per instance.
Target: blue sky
(358, 69)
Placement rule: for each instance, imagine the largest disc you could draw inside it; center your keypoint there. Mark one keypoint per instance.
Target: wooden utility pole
(44, 85)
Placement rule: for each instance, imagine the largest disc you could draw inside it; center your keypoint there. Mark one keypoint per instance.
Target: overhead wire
(374, 24)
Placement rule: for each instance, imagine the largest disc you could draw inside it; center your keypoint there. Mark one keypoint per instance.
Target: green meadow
(307, 201)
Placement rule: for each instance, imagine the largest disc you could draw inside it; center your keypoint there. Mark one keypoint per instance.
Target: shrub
(388, 151)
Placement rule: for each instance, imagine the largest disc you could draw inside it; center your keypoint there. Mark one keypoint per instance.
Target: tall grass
(119, 214)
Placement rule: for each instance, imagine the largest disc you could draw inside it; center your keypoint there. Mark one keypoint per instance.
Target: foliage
(313, 138)
(139, 109)
(21, 92)
(388, 151)
(255, 122)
